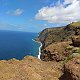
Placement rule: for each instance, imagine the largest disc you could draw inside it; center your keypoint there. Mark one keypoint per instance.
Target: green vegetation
(74, 24)
(76, 50)
(58, 34)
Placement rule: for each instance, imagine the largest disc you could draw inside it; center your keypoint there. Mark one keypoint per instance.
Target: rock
(72, 70)
(78, 61)
(57, 57)
(76, 41)
(55, 51)
(30, 68)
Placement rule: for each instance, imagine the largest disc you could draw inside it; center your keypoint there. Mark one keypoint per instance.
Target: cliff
(57, 41)
(58, 34)
(62, 44)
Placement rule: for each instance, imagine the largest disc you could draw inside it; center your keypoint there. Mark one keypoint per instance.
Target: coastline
(39, 51)
(39, 48)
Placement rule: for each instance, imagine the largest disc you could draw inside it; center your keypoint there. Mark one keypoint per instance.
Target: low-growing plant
(78, 50)
(68, 58)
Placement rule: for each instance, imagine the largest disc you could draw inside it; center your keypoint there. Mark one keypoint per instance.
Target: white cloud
(16, 12)
(66, 12)
(68, 1)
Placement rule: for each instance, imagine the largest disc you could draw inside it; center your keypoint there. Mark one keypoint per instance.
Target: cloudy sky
(35, 15)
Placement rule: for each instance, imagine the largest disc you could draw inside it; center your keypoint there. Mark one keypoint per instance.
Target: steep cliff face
(51, 35)
(56, 41)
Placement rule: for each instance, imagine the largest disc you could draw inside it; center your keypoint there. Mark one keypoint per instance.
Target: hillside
(62, 44)
(57, 40)
(51, 35)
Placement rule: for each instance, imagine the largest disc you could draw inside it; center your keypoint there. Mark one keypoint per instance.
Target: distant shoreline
(39, 48)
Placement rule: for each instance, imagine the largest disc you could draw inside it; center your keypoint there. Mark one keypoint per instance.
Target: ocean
(15, 44)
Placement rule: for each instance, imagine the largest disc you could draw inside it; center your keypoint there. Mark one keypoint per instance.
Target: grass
(75, 24)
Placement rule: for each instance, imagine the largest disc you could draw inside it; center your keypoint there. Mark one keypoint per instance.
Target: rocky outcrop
(72, 70)
(76, 41)
(29, 68)
(55, 51)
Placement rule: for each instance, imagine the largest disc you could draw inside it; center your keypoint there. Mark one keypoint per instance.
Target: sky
(36, 15)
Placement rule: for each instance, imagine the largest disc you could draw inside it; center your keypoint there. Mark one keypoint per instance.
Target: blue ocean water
(15, 44)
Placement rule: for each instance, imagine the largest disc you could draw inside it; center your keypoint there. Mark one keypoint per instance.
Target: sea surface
(15, 44)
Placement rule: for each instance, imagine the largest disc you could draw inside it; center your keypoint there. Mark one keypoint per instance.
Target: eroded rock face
(29, 68)
(55, 52)
(76, 41)
(72, 70)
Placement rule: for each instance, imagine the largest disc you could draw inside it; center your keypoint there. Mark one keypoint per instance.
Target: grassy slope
(51, 35)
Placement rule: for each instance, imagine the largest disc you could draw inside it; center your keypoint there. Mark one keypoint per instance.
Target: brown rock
(72, 70)
(76, 41)
(29, 68)
(55, 51)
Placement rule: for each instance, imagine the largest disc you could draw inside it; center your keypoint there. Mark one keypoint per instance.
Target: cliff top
(29, 68)
(74, 24)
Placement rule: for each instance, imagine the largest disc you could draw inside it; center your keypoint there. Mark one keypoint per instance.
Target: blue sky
(20, 15)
